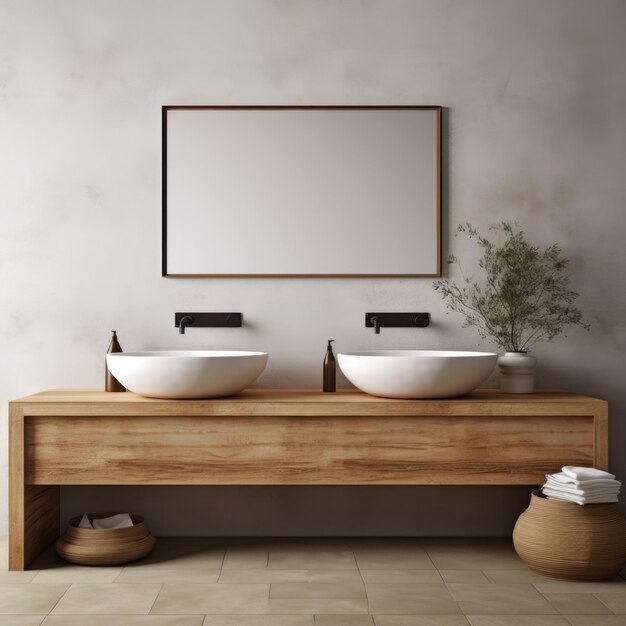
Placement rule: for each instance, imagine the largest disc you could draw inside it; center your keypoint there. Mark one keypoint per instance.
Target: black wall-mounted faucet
(212, 320)
(396, 320)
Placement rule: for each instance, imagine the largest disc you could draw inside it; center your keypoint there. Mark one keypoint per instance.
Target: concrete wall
(535, 92)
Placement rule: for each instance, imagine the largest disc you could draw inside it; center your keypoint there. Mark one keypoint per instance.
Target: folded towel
(593, 490)
(588, 496)
(562, 477)
(585, 473)
(581, 492)
(557, 495)
(84, 522)
(122, 520)
(582, 485)
(581, 501)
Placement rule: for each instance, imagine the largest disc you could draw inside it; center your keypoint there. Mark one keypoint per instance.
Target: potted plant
(524, 297)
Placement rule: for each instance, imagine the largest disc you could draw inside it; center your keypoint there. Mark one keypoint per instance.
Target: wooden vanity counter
(285, 437)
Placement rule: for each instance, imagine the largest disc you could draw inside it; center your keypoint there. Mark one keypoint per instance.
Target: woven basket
(91, 546)
(567, 541)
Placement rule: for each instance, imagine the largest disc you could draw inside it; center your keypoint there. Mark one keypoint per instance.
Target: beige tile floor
(307, 582)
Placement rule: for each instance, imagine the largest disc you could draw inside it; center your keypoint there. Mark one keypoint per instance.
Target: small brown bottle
(111, 383)
(330, 380)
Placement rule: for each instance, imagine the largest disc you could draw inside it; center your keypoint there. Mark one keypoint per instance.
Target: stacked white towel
(583, 485)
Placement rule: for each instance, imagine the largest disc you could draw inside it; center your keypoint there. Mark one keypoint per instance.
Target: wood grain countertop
(304, 402)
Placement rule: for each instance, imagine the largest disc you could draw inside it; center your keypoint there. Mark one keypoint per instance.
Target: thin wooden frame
(166, 108)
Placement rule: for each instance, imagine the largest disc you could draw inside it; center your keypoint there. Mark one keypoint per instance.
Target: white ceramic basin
(417, 373)
(187, 373)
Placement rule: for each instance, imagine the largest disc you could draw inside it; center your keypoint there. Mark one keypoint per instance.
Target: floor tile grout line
(219, 576)
(155, 599)
(430, 559)
(466, 617)
(358, 567)
(458, 606)
(484, 573)
(595, 595)
(543, 595)
(119, 574)
(59, 600)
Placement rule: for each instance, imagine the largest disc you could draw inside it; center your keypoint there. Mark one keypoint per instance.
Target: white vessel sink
(187, 373)
(417, 373)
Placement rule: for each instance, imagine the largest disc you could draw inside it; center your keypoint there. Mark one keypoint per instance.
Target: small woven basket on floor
(93, 546)
(571, 542)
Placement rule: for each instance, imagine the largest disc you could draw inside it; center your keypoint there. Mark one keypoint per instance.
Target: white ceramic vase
(517, 372)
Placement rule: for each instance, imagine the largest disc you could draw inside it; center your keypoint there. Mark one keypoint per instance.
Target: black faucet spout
(184, 322)
(376, 323)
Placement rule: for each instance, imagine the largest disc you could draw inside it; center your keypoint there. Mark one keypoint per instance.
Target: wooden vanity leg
(34, 510)
(601, 438)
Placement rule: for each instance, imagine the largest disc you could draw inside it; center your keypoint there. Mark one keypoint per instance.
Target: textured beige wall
(535, 92)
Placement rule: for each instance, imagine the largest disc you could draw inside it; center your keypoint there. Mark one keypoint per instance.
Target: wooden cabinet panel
(303, 450)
